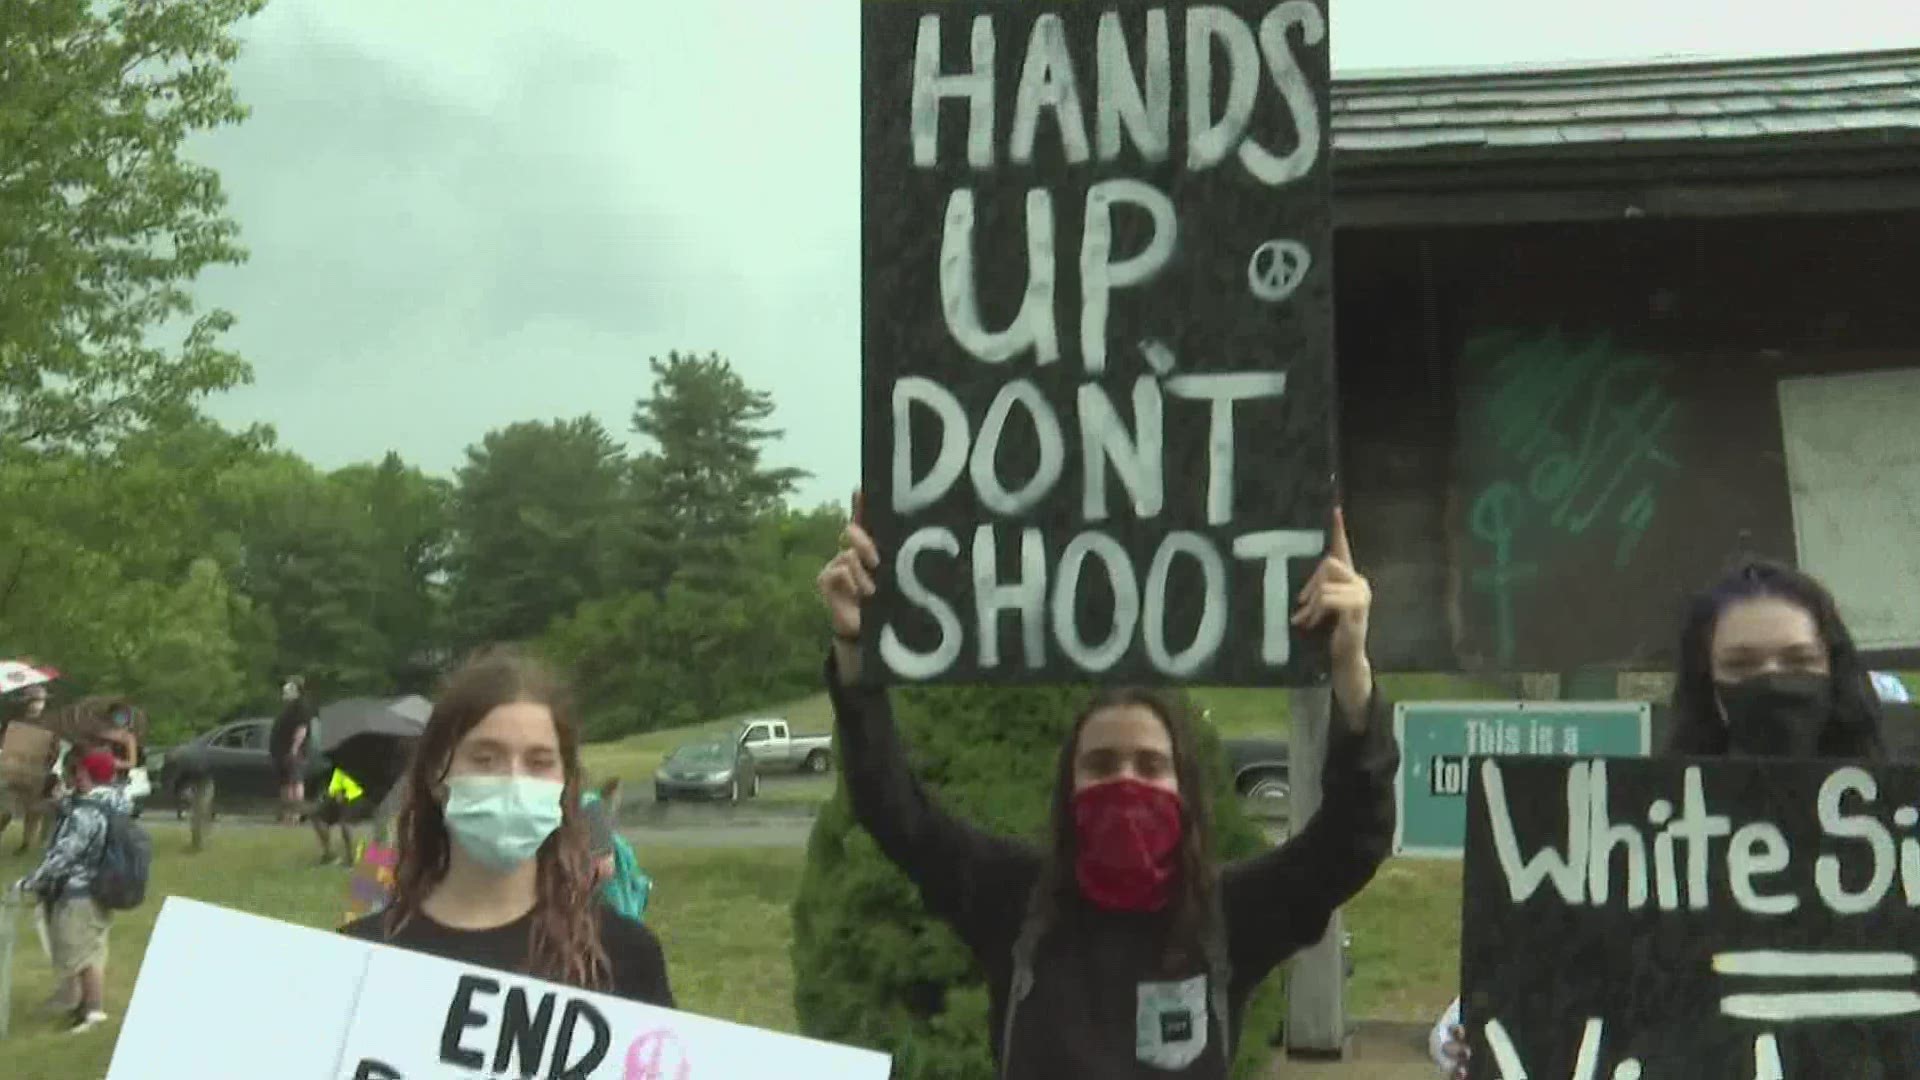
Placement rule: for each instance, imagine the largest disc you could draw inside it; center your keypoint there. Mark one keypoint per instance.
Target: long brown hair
(1192, 909)
(566, 946)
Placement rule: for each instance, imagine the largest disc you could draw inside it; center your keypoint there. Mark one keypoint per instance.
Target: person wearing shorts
(77, 937)
(76, 925)
(344, 804)
(291, 766)
(287, 744)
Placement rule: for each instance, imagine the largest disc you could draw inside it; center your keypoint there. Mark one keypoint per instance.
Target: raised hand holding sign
(1337, 594)
(845, 585)
(1116, 465)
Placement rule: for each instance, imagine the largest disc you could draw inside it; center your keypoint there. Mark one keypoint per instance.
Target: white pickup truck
(773, 746)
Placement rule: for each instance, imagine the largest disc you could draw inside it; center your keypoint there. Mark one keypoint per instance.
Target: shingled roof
(1702, 122)
(1621, 103)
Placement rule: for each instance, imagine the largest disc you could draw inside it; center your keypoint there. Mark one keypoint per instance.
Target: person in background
(33, 706)
(1121, 949)
(287, 744)
(492, 863)
(118, 738)
(1767, 669)
(77, 925)
(25, 792)
(343, 804)
(616, 872)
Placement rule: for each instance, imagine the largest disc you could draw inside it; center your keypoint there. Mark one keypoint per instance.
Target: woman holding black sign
(1121, 949)
(493, 865)
(1766, 669)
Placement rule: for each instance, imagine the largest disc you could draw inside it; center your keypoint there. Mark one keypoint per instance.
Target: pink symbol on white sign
(657, 1055)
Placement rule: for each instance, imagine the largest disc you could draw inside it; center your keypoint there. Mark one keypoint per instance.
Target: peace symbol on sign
(1277, 269)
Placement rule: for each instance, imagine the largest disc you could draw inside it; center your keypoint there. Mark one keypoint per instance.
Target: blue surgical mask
(501, 821)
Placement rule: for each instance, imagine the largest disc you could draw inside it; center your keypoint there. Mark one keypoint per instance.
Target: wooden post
(202, 814)
(1316, 977)
(10, 913)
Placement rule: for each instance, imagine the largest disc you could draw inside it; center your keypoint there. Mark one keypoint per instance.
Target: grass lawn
(1406, 941)
(721, 912)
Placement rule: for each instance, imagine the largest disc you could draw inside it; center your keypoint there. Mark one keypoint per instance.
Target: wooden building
(1602, 330)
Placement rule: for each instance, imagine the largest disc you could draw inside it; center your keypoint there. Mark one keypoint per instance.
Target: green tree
(305, 551)
(702, 488)
(704, 648)
(168, 643)
(870, 966)
(104, 223)
(109, 569)
(409, 527)
(148, 501)
(186, 667)
(537, 512)
(642, 663)
(602, 645)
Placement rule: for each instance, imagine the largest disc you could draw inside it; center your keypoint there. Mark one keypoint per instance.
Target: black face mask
(1776, 715)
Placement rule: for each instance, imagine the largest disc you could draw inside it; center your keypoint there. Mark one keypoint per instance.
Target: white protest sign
(228, 996)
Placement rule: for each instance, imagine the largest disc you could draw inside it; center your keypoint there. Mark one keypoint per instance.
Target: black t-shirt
(292, 718)
(639, 966)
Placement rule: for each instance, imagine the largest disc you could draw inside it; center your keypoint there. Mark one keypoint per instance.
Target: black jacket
(1100, 1005)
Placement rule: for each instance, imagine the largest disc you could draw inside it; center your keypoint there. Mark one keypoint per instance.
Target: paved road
(763, 832)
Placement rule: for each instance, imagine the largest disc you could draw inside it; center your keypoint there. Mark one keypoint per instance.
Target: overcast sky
(464, 213)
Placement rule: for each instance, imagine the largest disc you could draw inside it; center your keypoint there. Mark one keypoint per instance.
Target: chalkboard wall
(1551, 435)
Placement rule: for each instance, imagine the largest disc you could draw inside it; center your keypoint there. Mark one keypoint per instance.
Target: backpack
(628, 889)
(126, 857)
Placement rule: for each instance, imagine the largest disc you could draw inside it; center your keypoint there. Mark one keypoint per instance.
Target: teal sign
(1437, 738)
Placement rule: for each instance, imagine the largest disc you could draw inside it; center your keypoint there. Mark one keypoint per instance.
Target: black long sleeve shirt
(1102, 1003)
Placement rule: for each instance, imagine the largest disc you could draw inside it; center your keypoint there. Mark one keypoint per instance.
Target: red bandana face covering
(1128, 833)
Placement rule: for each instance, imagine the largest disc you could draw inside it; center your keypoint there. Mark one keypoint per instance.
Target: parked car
(707, 771)
(234, 755)
(1262, 771)
(773, 746)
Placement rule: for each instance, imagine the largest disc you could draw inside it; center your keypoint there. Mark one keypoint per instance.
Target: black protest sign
(1097, 338)
(1677, 918)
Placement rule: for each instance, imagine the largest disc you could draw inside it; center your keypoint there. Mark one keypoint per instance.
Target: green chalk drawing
(1572, 440)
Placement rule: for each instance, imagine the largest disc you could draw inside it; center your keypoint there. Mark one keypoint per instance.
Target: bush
(871, 968)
